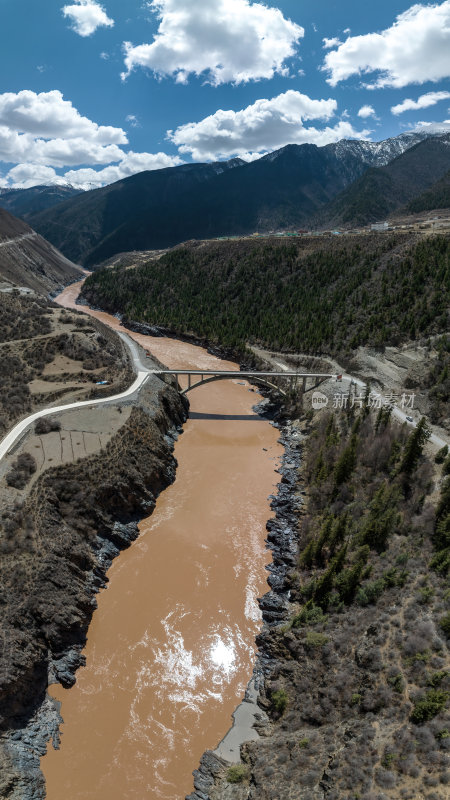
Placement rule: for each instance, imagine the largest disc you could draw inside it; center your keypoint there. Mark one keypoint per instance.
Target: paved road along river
(171, 646)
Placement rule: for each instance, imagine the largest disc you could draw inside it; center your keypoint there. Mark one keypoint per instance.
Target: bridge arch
(257, 380)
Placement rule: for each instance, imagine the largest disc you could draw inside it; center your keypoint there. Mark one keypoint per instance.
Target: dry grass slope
(49, 355)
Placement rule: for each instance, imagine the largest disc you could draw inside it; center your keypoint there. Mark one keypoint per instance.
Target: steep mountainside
(383, 190)
(130, 212)
(311, 295)
(10, 227)
(437, 196)
(26, 259)
(23, 202)
(159, 209)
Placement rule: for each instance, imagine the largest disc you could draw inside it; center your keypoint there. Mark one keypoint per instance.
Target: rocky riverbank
(354, 666)
(282, 539)
(56, 551)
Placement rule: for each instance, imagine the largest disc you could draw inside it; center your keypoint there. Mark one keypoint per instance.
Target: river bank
(349, 673)
(282, 538)
(81, 516)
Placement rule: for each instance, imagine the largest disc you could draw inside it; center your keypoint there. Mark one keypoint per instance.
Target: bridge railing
(272, 380)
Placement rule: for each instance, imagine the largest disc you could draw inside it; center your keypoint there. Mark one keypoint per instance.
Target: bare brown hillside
(28, 260)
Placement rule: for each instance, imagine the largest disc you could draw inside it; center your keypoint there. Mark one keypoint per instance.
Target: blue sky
(94, 91)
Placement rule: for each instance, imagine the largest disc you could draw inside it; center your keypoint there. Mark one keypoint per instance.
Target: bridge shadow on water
(238, 417)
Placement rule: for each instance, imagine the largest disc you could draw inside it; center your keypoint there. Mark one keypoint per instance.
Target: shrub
(444, 623)
(427, 707)
(385, 778)
(22, 470)
(441, 455)
(303, 743)
(15, 479)
(309, 615)
(387, 759)
(279, 700)
(397, 683)
(370, 592)
(26, 463)
(315, 639)
(237, 773)
(426, 594)
(436, 679)
(441, 561)
(46, 424)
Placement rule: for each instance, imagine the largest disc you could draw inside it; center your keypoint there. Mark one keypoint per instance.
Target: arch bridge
(196, 378)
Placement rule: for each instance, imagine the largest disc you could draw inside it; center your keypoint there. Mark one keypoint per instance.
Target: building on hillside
(380, 226)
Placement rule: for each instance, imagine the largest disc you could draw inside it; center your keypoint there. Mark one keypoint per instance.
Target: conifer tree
(414, 447)
(346, 462)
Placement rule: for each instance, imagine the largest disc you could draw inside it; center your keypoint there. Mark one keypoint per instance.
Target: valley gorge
(321, 686)
(225, 400)
(223, 652)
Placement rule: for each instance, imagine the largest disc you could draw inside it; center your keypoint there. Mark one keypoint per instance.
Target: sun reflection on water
(223, 656)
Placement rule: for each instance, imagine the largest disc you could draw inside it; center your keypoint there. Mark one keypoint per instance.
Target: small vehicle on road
(409, 419)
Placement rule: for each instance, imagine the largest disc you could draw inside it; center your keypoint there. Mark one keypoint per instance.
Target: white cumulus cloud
(227, 41)
(46, 129)
(41, 133)
(22, 176)
(415, 49)
(366, 111)
(48, 115)
(328, 43)
(424, 101)
(129, 165)
(433, 127)
(261, 127)
(86, 16)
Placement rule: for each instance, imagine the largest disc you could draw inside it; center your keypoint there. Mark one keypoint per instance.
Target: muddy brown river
(170, 648)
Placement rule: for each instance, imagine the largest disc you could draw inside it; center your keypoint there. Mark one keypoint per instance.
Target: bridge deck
(242, 374)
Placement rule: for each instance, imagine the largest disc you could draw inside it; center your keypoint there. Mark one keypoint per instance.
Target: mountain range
(346, 183)
(24, 202)
(382, 191)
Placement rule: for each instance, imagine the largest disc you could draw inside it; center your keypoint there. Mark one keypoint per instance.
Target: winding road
(398, 413)
(142, 373)
(20, 238)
